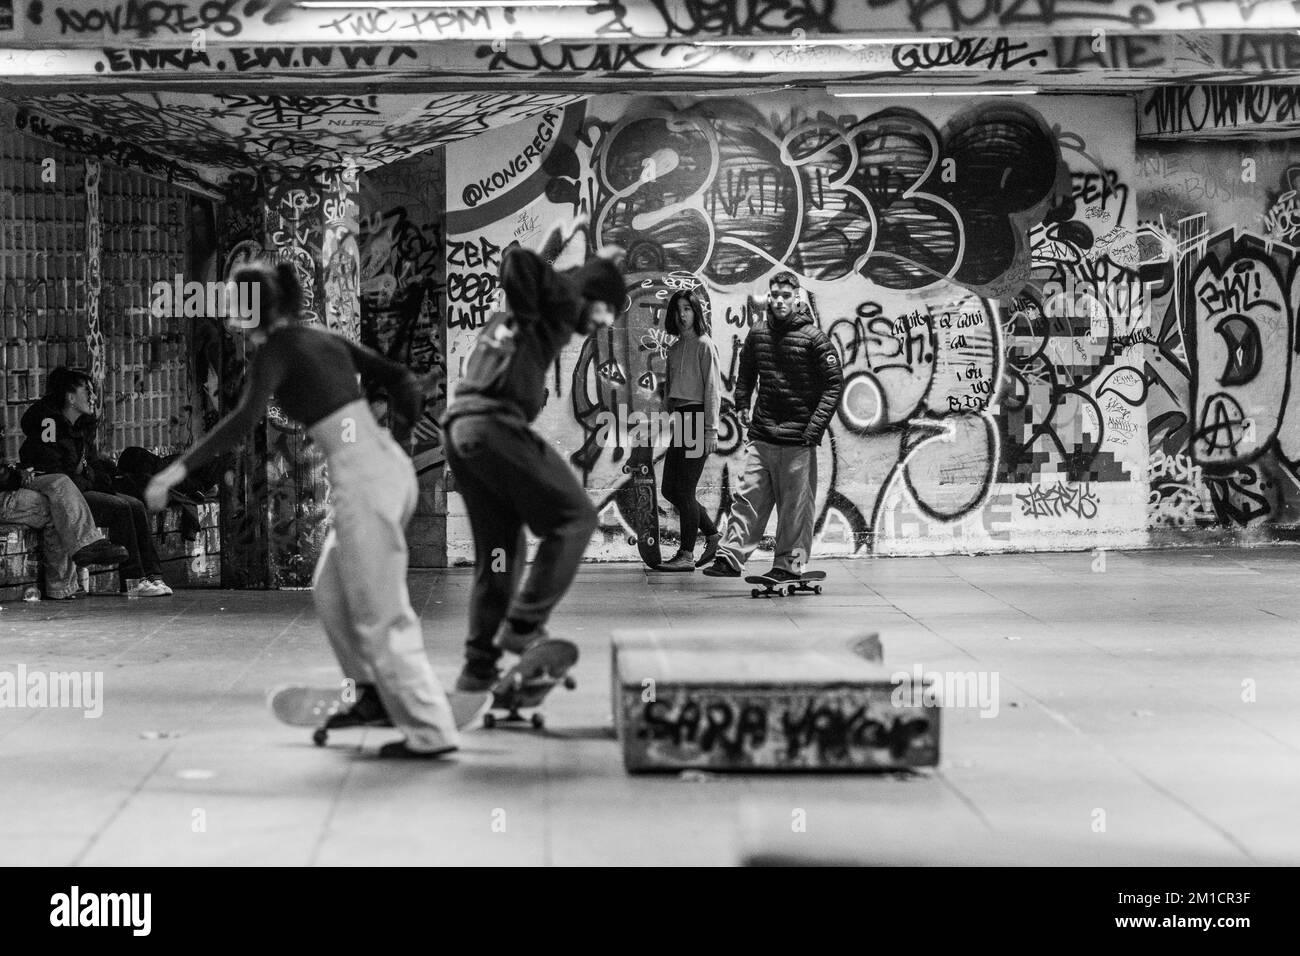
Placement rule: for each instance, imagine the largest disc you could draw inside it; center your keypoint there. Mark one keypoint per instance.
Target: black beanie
(599, 280)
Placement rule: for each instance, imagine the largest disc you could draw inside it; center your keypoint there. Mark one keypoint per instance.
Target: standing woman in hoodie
(693, 394)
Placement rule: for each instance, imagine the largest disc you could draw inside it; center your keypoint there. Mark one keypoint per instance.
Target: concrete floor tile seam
(1101, 747)
(849, 567)
(336, 799)
(1267, 732)
(939, 774)
(930, 630)
(121, 807)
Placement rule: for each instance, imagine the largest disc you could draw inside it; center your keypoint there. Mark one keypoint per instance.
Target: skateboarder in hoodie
(796, 371)
(508, 475)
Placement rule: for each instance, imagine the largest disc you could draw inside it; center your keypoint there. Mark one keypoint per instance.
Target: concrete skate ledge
(740, 700)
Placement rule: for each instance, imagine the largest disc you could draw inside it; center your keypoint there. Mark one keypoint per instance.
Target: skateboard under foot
(775, 587)
(325, 709)
(526, 685)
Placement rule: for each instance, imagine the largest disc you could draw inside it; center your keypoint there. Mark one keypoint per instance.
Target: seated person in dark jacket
(60, 439)
(52, 505)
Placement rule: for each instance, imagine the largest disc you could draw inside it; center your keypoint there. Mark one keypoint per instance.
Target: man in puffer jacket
(798, 393)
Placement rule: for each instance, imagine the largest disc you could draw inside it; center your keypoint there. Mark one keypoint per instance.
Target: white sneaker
(152, 589)
(160, 583)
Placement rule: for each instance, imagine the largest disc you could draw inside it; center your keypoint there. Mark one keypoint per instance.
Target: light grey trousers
(360, 582)
(780, 476)
(55, 506)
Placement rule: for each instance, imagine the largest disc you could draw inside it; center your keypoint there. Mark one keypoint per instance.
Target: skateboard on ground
(642, 505)
(526, 685)
(302, 705)
(775, 587)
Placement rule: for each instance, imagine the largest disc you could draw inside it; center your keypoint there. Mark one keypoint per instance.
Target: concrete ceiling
(206, 92)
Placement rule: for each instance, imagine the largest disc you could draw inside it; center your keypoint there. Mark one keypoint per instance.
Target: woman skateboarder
(360, 582)
(693, 394)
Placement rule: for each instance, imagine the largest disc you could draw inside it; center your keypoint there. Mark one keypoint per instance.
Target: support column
(245, 529)
(94, 249)
(311, 223)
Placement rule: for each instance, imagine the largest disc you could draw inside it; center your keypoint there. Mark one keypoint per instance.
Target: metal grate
(146, 391)
(42, 272)
(146, 398)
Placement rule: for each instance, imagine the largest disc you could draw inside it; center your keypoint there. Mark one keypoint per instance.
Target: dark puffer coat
(799, 380)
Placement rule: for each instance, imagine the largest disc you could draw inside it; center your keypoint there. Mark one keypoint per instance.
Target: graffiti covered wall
(1219, 237)
(402, 291)
(975, 265)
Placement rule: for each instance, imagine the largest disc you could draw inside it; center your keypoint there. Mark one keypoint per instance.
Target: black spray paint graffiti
(146, 18)
(126, 155)
(428, 24)
(729, 18)
(1058, 500)
(948, 390)
(240, 59)
(1183, 109)
(715, 189)
(471, 294)
(215, 142)
(599, 57)
(1224, 442)
(980, 53)
(958, 15)
(824, 732)
(483, 188)
(401, 302)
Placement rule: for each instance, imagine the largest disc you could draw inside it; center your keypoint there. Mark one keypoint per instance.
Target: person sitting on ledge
(53, 505)
(60, 439)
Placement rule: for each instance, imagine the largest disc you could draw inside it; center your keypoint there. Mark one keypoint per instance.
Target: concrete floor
(1120, 692)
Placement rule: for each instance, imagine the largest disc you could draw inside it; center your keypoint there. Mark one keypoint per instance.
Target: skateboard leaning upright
(775, 587)
(526, 685)
(643, 504)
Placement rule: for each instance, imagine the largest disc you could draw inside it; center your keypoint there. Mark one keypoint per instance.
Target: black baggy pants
(127, 522)
(511, 479)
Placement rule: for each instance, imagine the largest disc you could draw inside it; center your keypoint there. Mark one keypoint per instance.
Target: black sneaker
(101, 552)
(516, 642)
(398, 750)
(368, 711)
(781, 574)
(473, 680)
(722, 568)
(711, 543)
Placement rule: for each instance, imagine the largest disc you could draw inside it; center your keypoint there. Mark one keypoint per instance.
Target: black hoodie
(797, 372)
(72, 447)
(506, 371)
